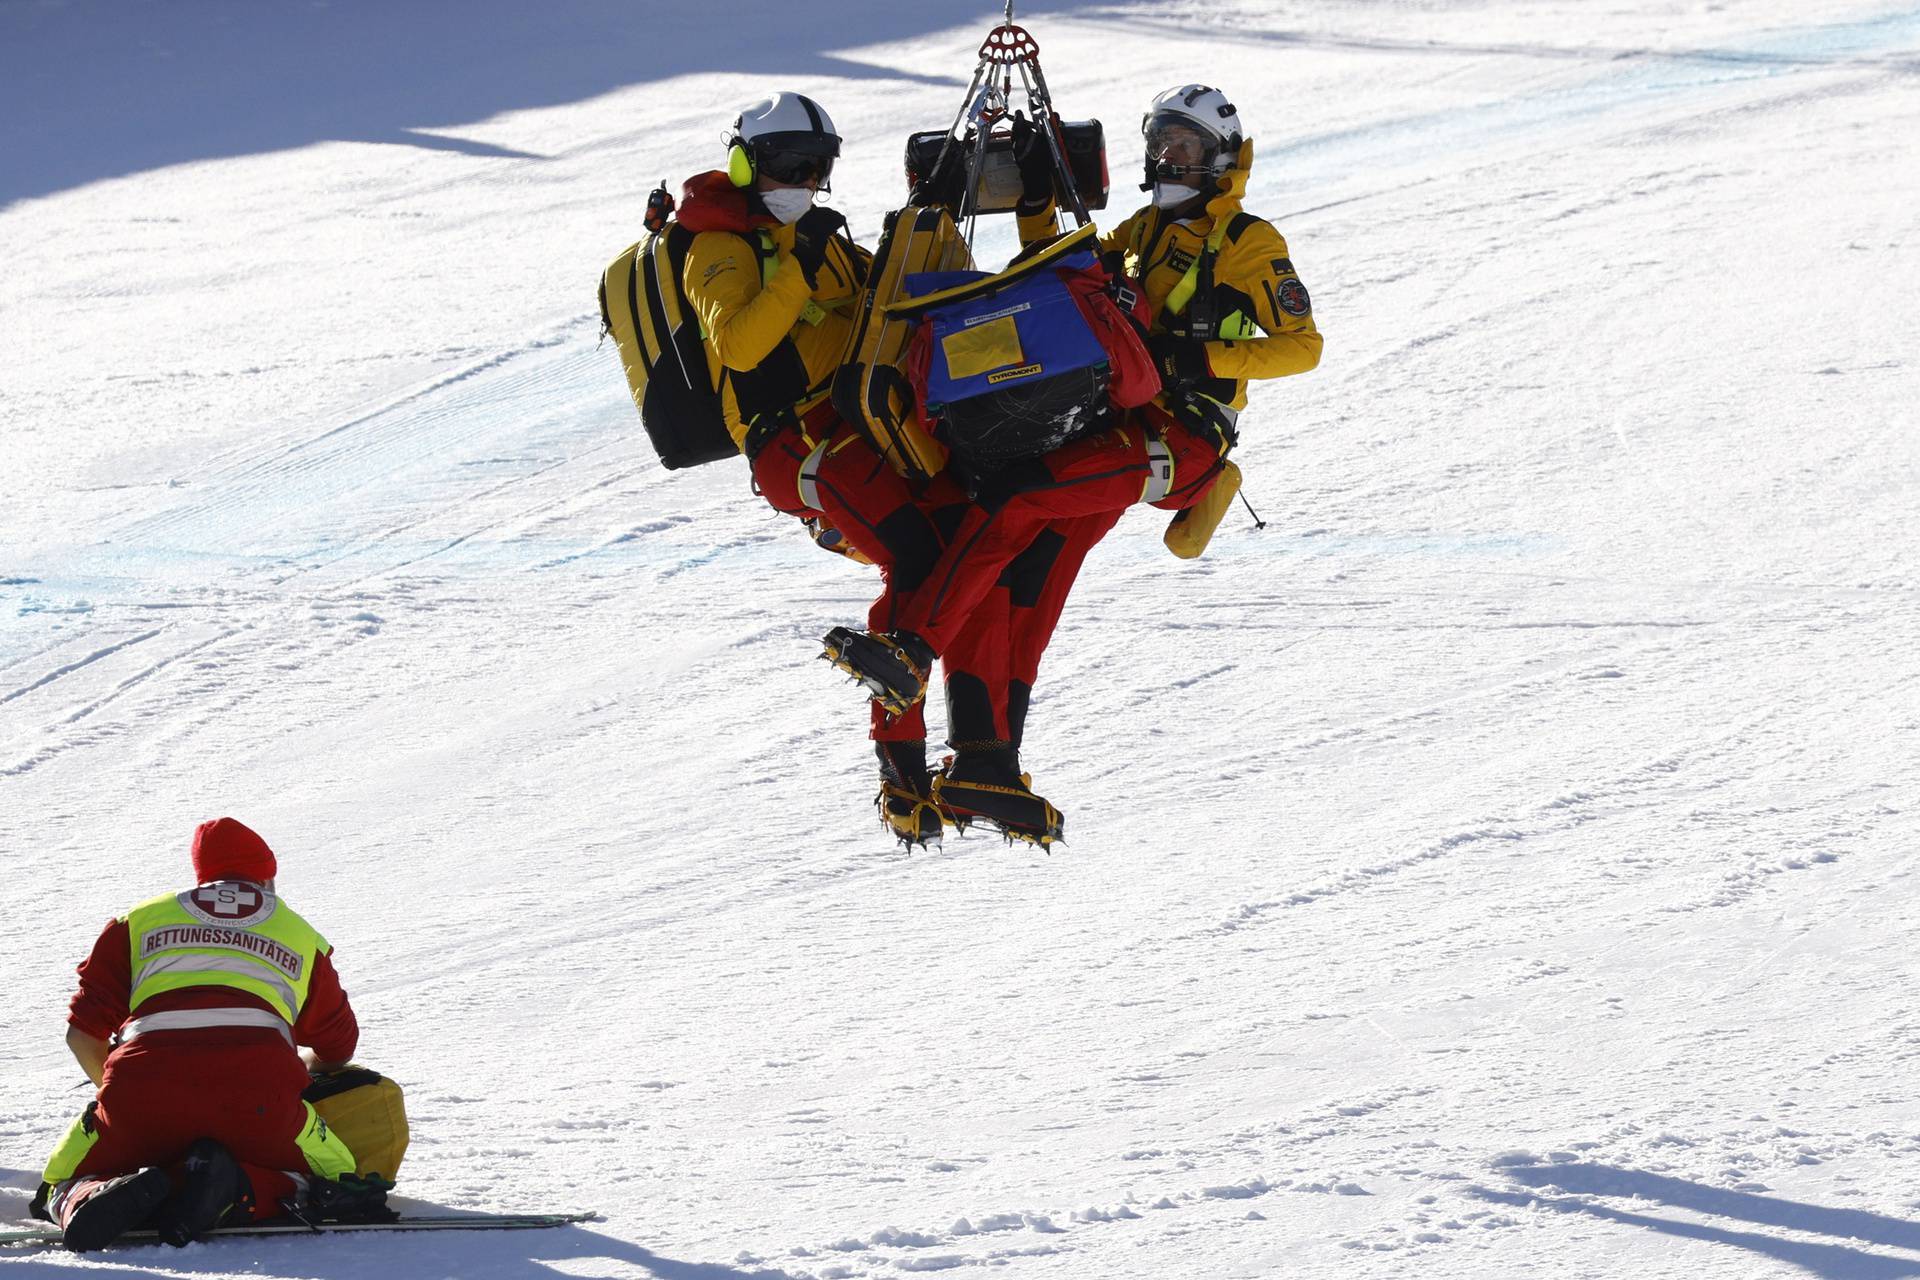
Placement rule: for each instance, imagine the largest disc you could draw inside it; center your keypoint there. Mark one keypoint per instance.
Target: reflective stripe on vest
(196, 1019)
(229, 934)
(1159, 482)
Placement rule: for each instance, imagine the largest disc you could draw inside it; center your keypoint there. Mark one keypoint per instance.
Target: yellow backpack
(871, 390)
(369, 1114)
(644, 306)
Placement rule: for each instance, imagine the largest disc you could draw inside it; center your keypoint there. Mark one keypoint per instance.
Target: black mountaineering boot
(893, 668)
(348, 1198)
(94, 1212)
(982, 781)
(215, 1186)
(906, 794)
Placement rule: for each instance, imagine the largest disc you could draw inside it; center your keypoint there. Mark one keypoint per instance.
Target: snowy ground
(1501, 865)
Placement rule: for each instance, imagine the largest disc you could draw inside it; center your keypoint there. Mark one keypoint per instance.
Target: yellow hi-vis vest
(231, 933)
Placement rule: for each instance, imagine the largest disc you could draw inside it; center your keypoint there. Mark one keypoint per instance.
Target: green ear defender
(739, 166)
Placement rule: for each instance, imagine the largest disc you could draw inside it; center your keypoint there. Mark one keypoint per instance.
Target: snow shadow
(493, 1255)
(1563, 1182)
(94, 89)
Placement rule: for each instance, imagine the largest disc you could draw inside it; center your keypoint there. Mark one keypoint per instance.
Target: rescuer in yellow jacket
(774, 279)
(1226, 302)
(774, 298)
(1226, 306)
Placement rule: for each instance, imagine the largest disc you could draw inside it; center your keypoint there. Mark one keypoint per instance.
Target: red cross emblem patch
(228, 900)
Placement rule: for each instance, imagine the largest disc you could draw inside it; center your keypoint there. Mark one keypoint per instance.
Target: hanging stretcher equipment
(1005, 365)
(973, 166)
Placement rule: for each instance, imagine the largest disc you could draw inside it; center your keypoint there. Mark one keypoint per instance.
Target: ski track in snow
(1497, 866)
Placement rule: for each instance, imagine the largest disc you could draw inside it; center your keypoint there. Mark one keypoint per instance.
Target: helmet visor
(1177, 145)
(796, 157)
(795, 167)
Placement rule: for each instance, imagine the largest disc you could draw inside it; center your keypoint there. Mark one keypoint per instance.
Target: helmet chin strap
(1160, 173)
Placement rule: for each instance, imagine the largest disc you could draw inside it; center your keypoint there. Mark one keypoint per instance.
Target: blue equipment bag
(1014, 367)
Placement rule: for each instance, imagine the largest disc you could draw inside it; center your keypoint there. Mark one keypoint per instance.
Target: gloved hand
(1035, 160)
(947, 180)
(811, 235)
(1179, 359)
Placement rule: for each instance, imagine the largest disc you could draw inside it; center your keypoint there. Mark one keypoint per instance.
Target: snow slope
(1500, 865)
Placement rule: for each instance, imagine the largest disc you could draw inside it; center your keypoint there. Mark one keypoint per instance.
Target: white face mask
(1169, 195)
(787, 203)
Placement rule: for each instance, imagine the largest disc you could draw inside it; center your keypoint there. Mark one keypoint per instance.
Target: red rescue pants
(163, 1091)
(991, 649)
(1029, 595)
(1087, 480)
(826, 468)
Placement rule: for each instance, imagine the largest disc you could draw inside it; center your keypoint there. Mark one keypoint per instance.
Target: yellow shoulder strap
(769, 258)
(1072, 241)
(1182, 292)
(813, 313)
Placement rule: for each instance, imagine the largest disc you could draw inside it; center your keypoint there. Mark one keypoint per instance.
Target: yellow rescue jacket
(1254, 280)
(773, 342)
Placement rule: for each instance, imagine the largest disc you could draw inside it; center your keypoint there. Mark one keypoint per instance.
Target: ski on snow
(48, 1234)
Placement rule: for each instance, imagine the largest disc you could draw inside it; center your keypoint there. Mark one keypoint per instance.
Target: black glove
(1035, 161)
(811, 235)
(1179, 359)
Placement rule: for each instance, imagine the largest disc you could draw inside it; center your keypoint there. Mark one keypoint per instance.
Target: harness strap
(1213, 420)
(769, 254)
(1159, 481)
(1136, 247)
(812, 427)
(808, 481)
(1183, 290)
(809, 484)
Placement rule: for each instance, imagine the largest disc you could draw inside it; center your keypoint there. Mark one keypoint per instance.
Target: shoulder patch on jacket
(1293, 297)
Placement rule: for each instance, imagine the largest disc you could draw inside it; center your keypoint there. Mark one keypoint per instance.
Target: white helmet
(1197, 108)
(789, 135)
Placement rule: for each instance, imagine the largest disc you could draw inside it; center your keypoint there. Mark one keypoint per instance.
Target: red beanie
(228, 849)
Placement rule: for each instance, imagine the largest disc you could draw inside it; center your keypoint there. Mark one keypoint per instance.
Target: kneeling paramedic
(188, 1017)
